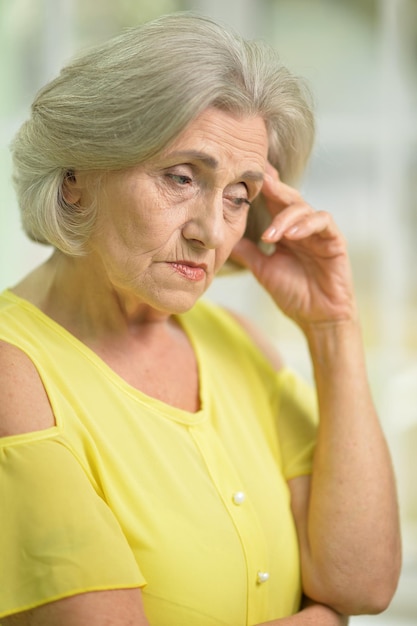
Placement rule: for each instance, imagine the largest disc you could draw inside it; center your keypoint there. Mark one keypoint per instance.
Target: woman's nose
(206, 223)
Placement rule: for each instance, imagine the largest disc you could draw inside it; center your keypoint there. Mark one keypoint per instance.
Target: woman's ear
(71, 190)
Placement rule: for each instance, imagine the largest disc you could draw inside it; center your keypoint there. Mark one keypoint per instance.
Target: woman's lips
(190, 270)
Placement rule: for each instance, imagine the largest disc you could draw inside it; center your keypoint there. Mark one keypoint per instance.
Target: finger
(276, 190)
(271, 170)
(315, 223)
(288, 218)
(247, 254)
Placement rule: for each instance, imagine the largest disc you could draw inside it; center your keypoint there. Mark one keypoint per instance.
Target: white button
(238, 497)
(262, 577)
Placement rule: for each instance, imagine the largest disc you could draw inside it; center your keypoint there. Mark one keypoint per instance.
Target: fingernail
(270, 233)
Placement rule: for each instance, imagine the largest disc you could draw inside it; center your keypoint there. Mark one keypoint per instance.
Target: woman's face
(165, 228)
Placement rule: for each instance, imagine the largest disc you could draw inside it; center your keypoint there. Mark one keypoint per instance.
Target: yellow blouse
(128, 491)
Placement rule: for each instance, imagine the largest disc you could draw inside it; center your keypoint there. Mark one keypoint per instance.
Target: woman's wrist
(341, 341)
(332, 333)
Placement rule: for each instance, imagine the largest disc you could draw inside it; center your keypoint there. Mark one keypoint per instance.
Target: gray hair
(124, 101)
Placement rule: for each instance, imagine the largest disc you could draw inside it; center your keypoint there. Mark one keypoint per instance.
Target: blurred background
(360, 58)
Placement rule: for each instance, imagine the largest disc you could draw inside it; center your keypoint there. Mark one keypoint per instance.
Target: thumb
(247, 254)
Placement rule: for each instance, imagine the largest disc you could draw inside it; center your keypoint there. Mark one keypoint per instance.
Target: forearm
(352, 531)
(347, 517)
(312, 614)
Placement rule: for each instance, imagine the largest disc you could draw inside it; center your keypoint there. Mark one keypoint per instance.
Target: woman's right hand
(313, 615)
(123, 607)
(114, 607)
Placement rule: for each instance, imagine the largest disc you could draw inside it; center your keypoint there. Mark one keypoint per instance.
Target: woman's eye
(180, 179)
(237, 195)
(240, 202)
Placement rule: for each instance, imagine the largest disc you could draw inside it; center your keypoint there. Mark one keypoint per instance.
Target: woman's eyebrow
(212, 163)
(195, 155)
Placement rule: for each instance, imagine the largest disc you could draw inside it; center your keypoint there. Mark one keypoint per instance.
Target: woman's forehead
(215, 132)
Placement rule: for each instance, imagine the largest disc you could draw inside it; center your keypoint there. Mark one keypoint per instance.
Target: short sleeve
(57, 535)
(297, 421)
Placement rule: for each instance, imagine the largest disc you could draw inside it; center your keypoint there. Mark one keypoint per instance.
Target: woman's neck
(75, 295)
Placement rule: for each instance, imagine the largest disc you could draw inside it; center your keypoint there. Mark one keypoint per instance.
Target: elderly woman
(157, 456)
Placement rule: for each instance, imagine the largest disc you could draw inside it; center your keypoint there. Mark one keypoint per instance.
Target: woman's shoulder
(260, 339)
(25, 406)
(208, 317)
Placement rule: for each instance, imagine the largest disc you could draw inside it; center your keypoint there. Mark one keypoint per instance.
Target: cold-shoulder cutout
(24, 403)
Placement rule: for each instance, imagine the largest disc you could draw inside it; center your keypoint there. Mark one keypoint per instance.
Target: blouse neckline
(180, 415)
